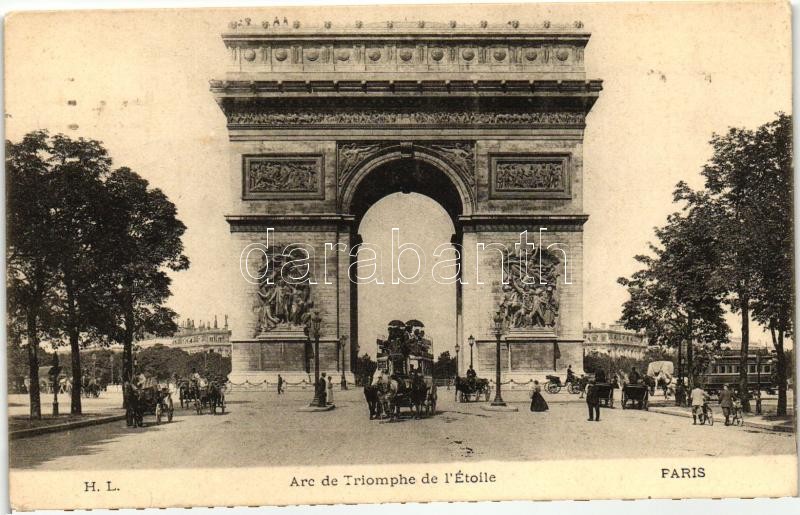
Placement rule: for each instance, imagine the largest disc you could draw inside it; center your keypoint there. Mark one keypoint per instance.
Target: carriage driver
(634, 377)
(471, 373)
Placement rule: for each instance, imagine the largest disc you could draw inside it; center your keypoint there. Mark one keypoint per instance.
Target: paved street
(261, 428)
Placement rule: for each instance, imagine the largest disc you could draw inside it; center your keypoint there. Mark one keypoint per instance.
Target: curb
(26, 433)
(755, 425)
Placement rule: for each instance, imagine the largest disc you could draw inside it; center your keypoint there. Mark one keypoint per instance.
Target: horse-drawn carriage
(202, 394)
(605, 393)
(635, 396)
(472, 388)
(554, 385)
(404, 374)
(149, 399)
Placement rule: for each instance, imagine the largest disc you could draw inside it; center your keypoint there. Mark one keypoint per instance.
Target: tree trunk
(127, 347)
(33, 365)
(75, 349)
(77, 377)
(689, 353)
(781, 355)
(744, 352)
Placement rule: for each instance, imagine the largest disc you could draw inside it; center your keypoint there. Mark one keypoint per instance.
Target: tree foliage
(732, 245)
(88, 252)
(445, 366)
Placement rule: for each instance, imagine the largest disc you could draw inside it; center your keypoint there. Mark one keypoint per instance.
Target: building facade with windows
(614, 340)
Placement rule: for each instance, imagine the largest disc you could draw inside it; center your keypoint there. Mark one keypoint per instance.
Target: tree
(30, 276)
(773, 270)
(727, 200)
(445, 366)
(676, 296)
(79, 214)
(145, 234)
(365, 368)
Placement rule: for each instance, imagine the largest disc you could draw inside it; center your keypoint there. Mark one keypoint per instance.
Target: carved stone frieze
(529, 175)
(282, 176)
(258, 117)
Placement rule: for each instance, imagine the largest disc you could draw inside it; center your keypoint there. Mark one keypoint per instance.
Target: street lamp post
(457, 349)
(471, 341)
(342, 341)
(498, 333)
(54, 373)
(316, 320)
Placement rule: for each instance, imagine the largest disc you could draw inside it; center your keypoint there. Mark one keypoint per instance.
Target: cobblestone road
(263, 429)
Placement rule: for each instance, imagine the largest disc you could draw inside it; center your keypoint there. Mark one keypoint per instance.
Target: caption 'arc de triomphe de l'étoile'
(487, 120)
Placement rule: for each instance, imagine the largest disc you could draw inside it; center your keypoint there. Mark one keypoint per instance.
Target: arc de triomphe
(486, 120)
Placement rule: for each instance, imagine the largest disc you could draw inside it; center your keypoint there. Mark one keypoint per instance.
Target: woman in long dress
(537, 401)
(330, 389)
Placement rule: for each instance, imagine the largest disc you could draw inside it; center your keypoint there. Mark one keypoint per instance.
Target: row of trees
(105, 365)
(730, 247)
(88, 252)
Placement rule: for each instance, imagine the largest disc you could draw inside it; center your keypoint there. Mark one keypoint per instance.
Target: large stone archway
(324, 121)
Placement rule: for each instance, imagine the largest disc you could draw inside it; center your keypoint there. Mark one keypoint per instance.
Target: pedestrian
(726, 403)
(330, 390)
(280, 384)
(698, 397)
(321, 387)
(537, 401)
(593, 402)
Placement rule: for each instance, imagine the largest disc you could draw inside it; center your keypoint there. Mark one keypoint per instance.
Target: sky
(673, 75)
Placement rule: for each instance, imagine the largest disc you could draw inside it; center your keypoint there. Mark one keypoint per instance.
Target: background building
(194, 337)
(614, 340)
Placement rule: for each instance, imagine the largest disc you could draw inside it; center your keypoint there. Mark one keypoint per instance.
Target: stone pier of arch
(322, 122)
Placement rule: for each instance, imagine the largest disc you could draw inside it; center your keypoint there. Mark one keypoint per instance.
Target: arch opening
(405, 175)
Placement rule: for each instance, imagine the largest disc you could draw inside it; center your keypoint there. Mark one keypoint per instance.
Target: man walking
(280, 384)
(726, 403)
(593, 402)
(698, 397)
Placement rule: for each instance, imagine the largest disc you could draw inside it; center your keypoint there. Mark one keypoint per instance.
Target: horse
(418, 393)
(187, 393)
(216, 396)
(388, 398)
(372, 396)
(134, 405)
(430, 400)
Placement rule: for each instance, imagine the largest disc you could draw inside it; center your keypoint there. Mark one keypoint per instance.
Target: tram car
(405, 350)
(406, 353)
(724, 369)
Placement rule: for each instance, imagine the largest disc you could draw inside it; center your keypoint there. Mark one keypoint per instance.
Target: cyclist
(698, 398)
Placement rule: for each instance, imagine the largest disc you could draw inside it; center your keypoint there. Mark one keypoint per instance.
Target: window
(751, 369)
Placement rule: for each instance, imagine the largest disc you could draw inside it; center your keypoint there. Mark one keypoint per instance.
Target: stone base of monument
(316, 409)
(489, 407)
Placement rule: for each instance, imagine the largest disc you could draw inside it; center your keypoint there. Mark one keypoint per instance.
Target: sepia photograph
(400, 253)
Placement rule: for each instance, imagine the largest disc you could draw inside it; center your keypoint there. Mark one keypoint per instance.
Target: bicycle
(707, 415)
(738, 418)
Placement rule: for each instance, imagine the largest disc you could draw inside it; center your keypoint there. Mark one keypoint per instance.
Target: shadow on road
(87, 441)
